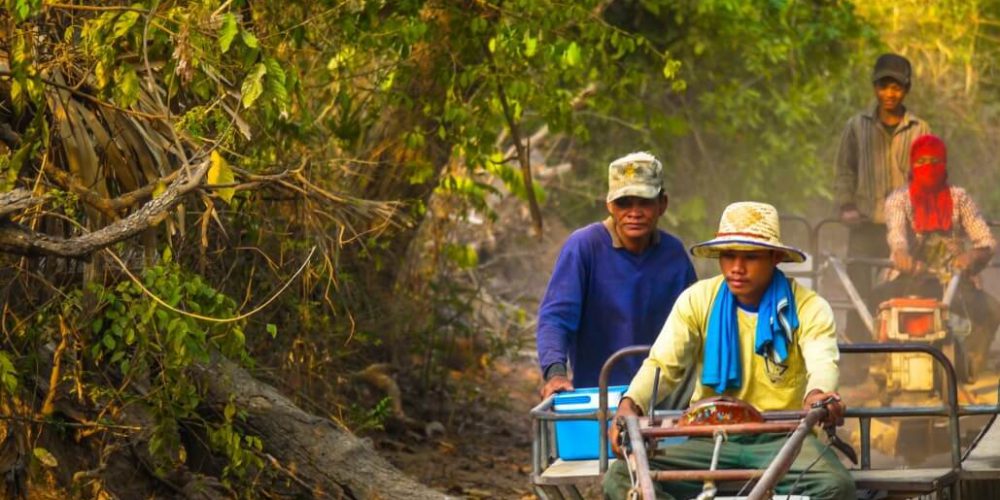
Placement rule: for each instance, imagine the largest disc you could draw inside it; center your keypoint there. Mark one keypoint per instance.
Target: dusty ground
(484, 454)
(485, 451)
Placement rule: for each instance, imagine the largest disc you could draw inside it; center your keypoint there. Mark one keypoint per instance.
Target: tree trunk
(332, 462)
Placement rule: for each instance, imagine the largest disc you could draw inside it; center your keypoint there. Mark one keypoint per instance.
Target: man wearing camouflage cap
(614, 281)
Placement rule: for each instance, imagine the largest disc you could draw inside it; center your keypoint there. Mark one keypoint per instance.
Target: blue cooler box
(577, 439)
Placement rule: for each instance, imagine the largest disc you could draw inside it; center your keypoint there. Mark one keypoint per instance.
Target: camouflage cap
(636, 174)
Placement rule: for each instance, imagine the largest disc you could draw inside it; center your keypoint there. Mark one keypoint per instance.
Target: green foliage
(34, 140)
(253, 86)
(513, 178)
(393, 101)
(23, 9)
(242, 451)
(228, 32)
(954, 47)
(767, 87)
(464, 256)
(126, 91)
(25, 86)
(8, 374)
(143, 340)
(360, 419)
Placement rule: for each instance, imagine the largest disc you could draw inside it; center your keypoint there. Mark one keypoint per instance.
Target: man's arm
(559, 317)
(846, 171)
(897, 228)
(817, 339)
(983, 244)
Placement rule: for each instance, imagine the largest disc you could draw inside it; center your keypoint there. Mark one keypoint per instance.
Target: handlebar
(949, 292)
(786, 456)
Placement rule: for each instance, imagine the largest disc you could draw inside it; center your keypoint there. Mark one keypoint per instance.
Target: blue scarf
(776, 320)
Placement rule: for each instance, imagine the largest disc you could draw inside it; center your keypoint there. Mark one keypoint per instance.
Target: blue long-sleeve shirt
(601, 298)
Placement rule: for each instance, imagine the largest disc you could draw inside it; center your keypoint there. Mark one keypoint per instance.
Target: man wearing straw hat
(753, 334)
(613, 283)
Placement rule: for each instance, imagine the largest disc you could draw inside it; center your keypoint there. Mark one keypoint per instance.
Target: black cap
(892, 66)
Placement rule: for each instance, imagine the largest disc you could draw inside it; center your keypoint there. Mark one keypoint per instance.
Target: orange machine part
(911, 302)
(916, 324)
(719, 410)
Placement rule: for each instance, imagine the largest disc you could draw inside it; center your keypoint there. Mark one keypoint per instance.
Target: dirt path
(484, 453)
(485, 450)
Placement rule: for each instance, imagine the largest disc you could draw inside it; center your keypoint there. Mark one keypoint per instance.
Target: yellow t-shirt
(811, 364)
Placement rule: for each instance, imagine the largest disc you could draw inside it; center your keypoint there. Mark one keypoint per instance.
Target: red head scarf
(929, 192)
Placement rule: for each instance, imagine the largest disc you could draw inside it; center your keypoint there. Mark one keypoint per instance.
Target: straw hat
(748, 226)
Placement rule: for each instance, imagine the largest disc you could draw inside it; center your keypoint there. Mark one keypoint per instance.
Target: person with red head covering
(872, 161)
(935, 230)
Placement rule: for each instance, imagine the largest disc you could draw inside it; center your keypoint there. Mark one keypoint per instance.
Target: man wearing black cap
(873, 161)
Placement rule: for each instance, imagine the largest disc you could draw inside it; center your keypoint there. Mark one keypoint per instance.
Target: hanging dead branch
(20, 240)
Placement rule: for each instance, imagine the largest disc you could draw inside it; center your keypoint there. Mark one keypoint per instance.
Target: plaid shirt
(965, 215)
(871, 161)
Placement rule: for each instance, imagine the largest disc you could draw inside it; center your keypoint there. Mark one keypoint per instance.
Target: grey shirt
(873, 161)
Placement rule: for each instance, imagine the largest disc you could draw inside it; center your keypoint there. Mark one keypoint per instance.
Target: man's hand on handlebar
(972, 261)
(849, 214)
(626, 407)
(834, 405)
(905, 263)
(962, 263)
(558, 383)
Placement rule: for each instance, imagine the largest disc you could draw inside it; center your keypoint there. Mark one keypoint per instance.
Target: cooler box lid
(586, 399)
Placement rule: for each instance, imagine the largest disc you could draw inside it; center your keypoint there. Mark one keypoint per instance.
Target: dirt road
(485, 451)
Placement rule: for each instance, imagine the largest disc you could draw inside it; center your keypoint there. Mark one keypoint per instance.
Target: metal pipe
(573, 493)
(709, 430)
(786, 456)
(901, 411)
(965, 411)
(640, 461)
(602, 400)
(814, 239)
(652, 399)
(852, 293)
(706, 475)
(719, 436)
(536, 447)
(866, 443)
(709, 490)
(949, 292)
(950, 382)
(543, 408)
(985, 429)
(591, 415)
(895, 411)
(870, 261)
(812, 247)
